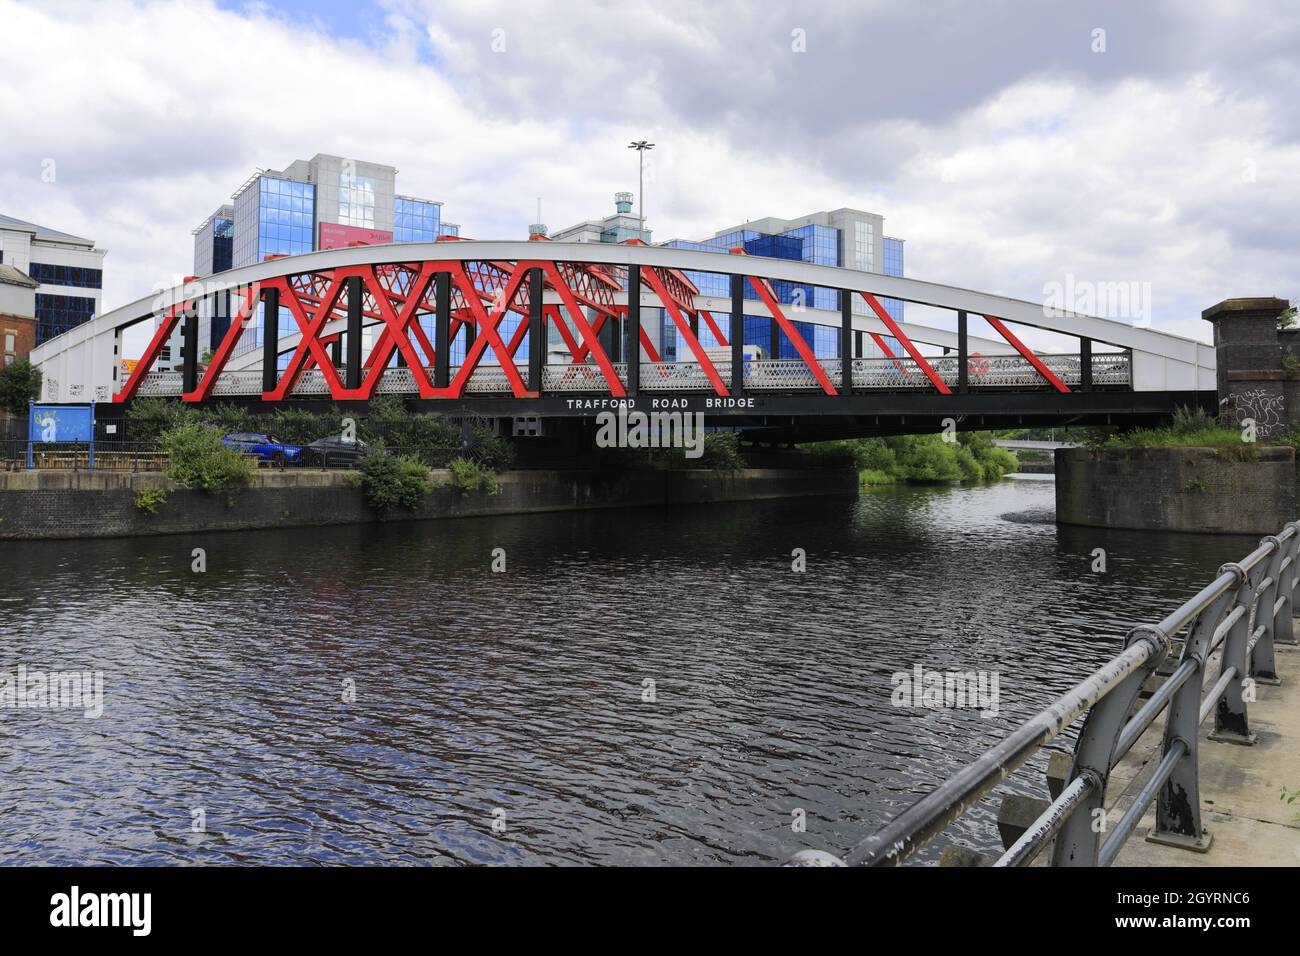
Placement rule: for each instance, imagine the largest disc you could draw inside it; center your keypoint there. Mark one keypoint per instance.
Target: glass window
(357, 201)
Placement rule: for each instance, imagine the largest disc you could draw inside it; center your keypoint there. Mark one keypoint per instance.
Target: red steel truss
(582, 299)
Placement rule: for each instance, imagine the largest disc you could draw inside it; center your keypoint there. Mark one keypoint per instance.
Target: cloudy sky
(1012, 143)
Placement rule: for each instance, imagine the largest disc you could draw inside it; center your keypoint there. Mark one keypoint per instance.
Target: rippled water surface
(524, 692)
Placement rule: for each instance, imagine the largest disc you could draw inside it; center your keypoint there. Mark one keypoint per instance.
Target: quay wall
(82, 504)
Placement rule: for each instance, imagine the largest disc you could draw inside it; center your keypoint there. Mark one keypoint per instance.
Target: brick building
(17, 314)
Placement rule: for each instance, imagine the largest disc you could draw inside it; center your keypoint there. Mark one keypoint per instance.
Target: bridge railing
(1244, 611)
(769, 375)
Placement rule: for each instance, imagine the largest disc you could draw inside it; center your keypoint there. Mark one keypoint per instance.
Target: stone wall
(1177, 489)
(67, 504)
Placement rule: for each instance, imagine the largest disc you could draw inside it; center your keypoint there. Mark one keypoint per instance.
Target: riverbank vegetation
(197, 459)
(386, 425)
(924, 459)
(1190, 428)
(393, 481)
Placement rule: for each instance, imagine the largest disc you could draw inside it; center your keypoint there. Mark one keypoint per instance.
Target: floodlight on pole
(641, 146)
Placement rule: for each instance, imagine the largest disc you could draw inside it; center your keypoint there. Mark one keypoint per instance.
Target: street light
(641, 146)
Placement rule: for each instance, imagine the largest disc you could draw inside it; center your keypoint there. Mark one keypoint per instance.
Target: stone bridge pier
(1253, 360)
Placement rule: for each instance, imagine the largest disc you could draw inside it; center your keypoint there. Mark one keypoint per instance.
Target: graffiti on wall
(1267, 410)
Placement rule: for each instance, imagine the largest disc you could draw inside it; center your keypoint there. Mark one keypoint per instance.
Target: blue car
(265, 447)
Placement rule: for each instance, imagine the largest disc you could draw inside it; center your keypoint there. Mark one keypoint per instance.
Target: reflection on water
(526, 692)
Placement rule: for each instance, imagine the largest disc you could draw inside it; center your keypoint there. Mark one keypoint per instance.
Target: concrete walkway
(1240, 786)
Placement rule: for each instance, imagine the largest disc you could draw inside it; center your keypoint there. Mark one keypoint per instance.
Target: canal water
(637, 687)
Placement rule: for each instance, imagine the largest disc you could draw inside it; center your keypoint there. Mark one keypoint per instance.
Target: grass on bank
(1190, 428)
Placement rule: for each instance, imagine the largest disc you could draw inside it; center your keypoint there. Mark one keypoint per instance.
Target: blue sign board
(55, 423)
(61, 423)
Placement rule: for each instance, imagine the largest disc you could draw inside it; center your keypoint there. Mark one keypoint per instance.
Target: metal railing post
(1178, 805)
(1295, 583)
(1231, 724)
(1079, 839)
(1263, 666)
(1286, 589)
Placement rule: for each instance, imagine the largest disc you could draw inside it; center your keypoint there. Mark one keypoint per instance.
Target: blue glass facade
(76, 276)
(56, 314)
(286, 218)
(893, 267)
(276, 217)
(223, 244)
(816, 244)
(415, 220)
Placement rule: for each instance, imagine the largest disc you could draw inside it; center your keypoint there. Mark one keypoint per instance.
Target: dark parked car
(265, 447)
(335, 452)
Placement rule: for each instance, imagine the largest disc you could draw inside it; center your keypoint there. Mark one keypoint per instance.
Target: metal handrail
(763, 375)
(1245, 610)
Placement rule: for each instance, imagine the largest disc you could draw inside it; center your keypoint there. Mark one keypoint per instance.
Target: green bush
(924, 459)
(298, 427)
(149, 500)
(150, 419)
(393, 481)
(468, 476)
(198, 459)
(388, 423)
(20, 382)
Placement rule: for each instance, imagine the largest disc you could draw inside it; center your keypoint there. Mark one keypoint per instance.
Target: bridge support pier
(1249, 376)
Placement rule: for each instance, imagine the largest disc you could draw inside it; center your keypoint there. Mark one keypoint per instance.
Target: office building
(325, 202)
(68, 270)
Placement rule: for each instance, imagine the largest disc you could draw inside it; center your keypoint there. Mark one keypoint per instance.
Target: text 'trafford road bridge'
(468, 287)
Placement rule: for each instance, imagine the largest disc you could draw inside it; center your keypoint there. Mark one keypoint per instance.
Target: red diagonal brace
(243, 315)
(652, 279)
(904, 341)
(394, 335)
(163, 332)
(616, 388)
(713, 326)
(488, 336)
(309, 332)
(768, 298)
(1033, 359)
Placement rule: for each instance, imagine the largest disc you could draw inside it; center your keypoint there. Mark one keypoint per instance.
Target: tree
(20, 383)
